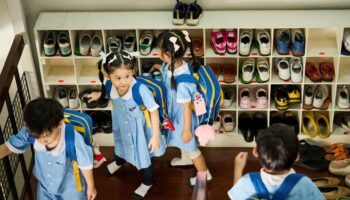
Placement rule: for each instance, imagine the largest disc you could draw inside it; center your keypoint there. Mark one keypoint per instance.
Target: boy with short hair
(45, 129)
(277, 149)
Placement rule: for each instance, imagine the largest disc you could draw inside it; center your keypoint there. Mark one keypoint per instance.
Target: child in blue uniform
(52, 168)
(172, 46)
(277, 149)
(134, 141)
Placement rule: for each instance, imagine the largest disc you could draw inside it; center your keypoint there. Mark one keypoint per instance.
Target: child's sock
(181, 161)
(141, 191)
(113, 167)
(193, 179)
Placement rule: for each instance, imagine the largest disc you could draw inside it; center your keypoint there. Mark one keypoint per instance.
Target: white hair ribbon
(113, 59)
(187, 35)
(104, 56)
(135, 54)
(173, 40)
(128, 56)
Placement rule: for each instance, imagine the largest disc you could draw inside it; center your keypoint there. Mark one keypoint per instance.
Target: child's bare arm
(156, 67)
(4, 151)
(94, 96)
(240, 162)
(154, 143)
(91, 190)
(186, 132)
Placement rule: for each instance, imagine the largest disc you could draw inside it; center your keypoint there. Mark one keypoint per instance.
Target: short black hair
(277, 147)
(42, 114)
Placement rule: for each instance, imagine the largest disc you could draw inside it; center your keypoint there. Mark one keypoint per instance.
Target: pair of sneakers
(247, 101)
(290, 69)
(156, 75)
(261, 38)
(290, 39)
(318, 97)
(116, 43)
(285, 96)
(224, 40)
(67, 98)
(259, 69)
(54, 41)
(191, 13)
(226, 121)
(90, 43)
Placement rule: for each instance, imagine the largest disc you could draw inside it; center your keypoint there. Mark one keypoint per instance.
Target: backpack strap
(186, 78)
(259, 186)
(289, 182)
(138, 99)
(108, 86)
(71, 153)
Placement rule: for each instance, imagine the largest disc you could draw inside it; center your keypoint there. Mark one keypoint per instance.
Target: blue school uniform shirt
(130, 131)
(304, 189)
(175, 99)
(53, 169)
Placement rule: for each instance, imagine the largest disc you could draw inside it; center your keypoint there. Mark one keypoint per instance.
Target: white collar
(114, 93)
(180, 70)
(58, 150)
(269, 179)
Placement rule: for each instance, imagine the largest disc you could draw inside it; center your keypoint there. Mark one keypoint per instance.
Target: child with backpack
(136, 129)
(172, 46)
(277, 149)
(53, 139)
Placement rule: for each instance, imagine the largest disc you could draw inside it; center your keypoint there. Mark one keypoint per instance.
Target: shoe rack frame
(323, 32)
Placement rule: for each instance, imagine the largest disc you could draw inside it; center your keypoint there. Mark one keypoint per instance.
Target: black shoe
(291, 120)
(260, 123)
(276, 117)
(281, 97)
(103, 102)
(106, 121)
(96, 123)
(84, 98)
(193, 14)
(245, 122)
(179, 13)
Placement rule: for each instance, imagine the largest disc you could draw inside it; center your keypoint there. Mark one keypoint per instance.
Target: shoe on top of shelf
(262, 70)
(294, 95)
(263, 41)
(73, 99)
(114, 44)
(217, 41)
(247, 71)
(321, 98)
(146, 41)
(96, 44)
(194, 14)
(327, 71)
(261, 98)
(231, 40)
(281, 98)
(229, 97)
(282, 41)
(245, 98)
(229, 72)
(313, 72)
(308, 97)
(245, 41)
(343, 98)
(298, 42)
(84, 42)
(283, 68)
(296, 69)
(346, 40)
(129, 41)
(228, 122)
(61, 96)
(64, 43)
(324, 127)
(179, 13)
(50, 43)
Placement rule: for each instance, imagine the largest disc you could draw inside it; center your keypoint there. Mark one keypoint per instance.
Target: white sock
(113, 167)
(142, 190)
(193, 179)
(181, 161)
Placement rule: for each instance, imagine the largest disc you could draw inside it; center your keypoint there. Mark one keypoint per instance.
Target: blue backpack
(159, 92)
(209, 87)
(281, 193)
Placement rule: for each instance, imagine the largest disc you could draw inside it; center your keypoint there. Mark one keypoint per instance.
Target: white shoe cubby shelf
(323, 31)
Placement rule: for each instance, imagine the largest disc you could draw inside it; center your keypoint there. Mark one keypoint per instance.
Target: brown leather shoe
(312, 72)
(229, 72)
(334, 192)
(327, 71)
(326, 181)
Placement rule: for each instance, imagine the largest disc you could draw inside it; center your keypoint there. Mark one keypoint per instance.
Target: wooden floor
(172, 182)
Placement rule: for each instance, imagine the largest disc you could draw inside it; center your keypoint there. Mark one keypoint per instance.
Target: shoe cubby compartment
(289, 42)
(248, 72)
(319, 100)
(290, 118)
(253, 97)
(58, 71)
(250, 123)
(147, 39)
(87, 43)
(255, 42)
(320, 70)
(117, 40)
(286, 97)
(226, 40)
(230, 97)
(342, 98)
(67, 95)
(345, 43)
(87, 71)
(341, 123)
(102, 121)
(56, 42)
(344, 71)
(84, 90)
(225, 69)
(316, 124)
(322, 42)
(227, 122)
(287, 70)
(147, 64)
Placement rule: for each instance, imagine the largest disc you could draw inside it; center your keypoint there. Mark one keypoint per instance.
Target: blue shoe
(179, 13)
(298, 42)
(282, 41)
(194, 14)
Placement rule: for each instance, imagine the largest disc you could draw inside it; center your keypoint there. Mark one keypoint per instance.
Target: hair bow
(104, 56)
(187, 35)
(173, 40)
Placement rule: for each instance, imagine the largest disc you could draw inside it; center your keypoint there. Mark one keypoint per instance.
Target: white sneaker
(61, 96)
(113, 167)
(184, 161)
(64, 43)
(296, 69)
(263, 72)
(141, 191)
(343, 98)
(193, 179)
(283, 68)
(346, 39)
(73, 98)
(263, 39)
(96, 44)
(309, 96)
(248, 69)
(146, 41)
(84, 42)
(245, 41)
(321, 94)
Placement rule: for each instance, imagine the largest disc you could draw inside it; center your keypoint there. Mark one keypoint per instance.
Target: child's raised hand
(154, 143)
(241, 160)
(186, 136)
(94, 96)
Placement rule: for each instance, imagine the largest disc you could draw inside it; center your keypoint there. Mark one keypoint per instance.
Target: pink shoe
(217, 41)
(245, 98)
(217, 123)
(231, 40)
(261, 98)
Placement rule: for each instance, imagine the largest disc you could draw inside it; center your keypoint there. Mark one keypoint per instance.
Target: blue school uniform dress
(130, 131)
(304, 189)
(176, 98)
(53, 169)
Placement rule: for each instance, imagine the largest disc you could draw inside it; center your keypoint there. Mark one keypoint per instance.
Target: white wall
(6, 32)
